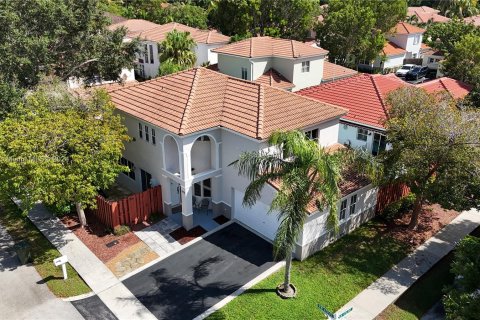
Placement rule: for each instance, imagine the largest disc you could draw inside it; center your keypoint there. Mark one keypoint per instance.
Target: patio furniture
(205, 204)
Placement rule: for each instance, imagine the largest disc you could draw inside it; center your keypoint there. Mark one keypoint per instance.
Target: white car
(404, 69)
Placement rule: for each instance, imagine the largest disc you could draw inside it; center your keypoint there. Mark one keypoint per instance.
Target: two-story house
(283, 63)
(152, 34)
(364, 97)
(188, 128)
(404, 42)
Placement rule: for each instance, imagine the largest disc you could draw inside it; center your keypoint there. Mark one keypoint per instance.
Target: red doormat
(183, 236)
(221, 219)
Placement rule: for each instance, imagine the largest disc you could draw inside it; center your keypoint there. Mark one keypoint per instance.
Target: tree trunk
(288, 267)
(81, 214)
(417, 209)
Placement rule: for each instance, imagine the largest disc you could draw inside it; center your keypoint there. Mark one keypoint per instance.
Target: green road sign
(324, 310)
(344, 313)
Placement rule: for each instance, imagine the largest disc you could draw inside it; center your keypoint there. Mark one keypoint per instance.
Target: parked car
(404, 69)
(416, 73)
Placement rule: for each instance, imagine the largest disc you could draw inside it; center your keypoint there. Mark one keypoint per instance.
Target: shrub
(121, 230)
(462, 301)
(397, 208)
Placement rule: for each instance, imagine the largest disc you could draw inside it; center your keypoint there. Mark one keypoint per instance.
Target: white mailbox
(61, 261)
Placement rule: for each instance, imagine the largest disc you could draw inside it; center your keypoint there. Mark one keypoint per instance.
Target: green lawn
(43, 253)
(331, 277)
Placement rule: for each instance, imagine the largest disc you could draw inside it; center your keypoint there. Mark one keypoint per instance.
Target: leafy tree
(435, 150)
(60, 37)
(60, 149)
(463, 61)
(283, 18)
(443, 36)
(310, 175)
(370, 20)
(177, 52)
(458, 8)
(463, 300)
(187, 14)
(10, 96)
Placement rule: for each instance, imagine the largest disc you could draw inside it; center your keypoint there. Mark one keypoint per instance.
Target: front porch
(202, 217)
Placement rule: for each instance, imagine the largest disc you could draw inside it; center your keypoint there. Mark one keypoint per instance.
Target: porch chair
(205, 204)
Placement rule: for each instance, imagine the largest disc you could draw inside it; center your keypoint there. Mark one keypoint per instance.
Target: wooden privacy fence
(130, 210)
(389, 194)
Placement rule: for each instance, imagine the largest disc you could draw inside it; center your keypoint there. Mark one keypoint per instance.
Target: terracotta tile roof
(457, 89)
(363, 95)
(425, 14)
(333, 71)
(155, 32)
(426, 50)
(273, 78)
(270, 47)
(406, 28)
(115, 18)
(133, 26)
(473, 19)
(391, 49)
(199, 99)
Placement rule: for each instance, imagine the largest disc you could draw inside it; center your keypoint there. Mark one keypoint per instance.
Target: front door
(146, 180)
(379, 143)
(175, 190)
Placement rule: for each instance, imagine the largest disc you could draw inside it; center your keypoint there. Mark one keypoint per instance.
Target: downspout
(251, 71)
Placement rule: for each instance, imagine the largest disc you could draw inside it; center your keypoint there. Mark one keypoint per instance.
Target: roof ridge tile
(382, 102)
(260, 114)
(191, 95)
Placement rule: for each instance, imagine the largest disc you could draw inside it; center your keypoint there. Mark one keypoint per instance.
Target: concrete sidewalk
(100, 279)
(387, 289)
(24, 294)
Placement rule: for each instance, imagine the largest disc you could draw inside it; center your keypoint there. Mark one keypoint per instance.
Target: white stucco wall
(316, 224)
(391, 62)
(232, 65)
(406, 41)
(151, 69)
(307, 79)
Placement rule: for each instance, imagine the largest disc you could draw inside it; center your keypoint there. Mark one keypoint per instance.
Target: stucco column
(216, 196)
(187, 209)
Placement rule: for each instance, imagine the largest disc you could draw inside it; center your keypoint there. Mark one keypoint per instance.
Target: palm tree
(458, 8)
(177, 51)
(305, 175)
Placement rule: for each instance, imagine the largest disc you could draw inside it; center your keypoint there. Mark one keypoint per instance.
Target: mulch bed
(183, 236)
(96, 237)
(221, 219)
(431, 220)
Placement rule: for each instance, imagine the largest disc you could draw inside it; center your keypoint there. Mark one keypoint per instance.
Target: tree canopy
(59, 149)
(443, 36)
(177, 52)
(60, 37)
(283, 18)
(354, 30)
(458, 8)
(435, 149)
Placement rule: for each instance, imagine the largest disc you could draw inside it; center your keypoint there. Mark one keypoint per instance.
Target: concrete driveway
(189, 282)
(23, 294)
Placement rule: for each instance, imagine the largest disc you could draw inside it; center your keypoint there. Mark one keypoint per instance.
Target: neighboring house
(432, 58)
(152, 34)
(404, 42)
(298, 63)
(187, 129)
(334, 72)
(364, 96)
(424, 15)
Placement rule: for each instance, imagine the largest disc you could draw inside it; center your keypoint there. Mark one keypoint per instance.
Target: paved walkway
(387, 289)
(100, 279)
(157, 236)
(24, 295)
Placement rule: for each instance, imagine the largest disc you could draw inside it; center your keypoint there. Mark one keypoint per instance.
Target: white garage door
(256, 217)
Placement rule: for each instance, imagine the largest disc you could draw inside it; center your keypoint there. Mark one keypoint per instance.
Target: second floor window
(147, 135)
(362, 134)
(145, 52)
(343, 210)
(151, 53)
(416, 39)
(312, 134)
(306, 66)
(244, 74)
(154, 139)
(140, 130)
